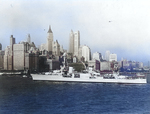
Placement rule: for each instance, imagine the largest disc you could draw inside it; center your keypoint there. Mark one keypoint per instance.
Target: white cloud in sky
(121, 26)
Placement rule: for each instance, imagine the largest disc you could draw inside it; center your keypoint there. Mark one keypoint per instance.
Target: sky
(120, 26)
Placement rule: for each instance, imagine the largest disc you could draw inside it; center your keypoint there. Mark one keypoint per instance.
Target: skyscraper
(71, 42)
(8, 57)
(12, 40)
(29, 39)
(107, 53)
(49, 40)
(112, 57)
(86, 53)
(97, 56)
(76, 43)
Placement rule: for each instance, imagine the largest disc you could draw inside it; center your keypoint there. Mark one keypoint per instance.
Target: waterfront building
(32, 61)
(107, 53)
(53, 64)
(2, 59)
(50, 40)
(8, 57)
(97, 56)
(43, 66)
(25, 57)
(20, 56)
(130, 65)
(95, 64)
(112, 57)
(125, 63)
(105, 66)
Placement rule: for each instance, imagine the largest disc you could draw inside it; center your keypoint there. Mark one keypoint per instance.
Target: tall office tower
(29, 39)
(19, 56)
(12, 40)
(141, 65)
(107, 53)
(80, 57)
(24, 58)
(112, 57)
(8, 57)
(97, 56)
(71, 42)
(76, 43)
(86, 53)
(0, 46)
(50, 40)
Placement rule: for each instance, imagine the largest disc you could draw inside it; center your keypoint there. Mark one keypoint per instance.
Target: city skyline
(122, 27)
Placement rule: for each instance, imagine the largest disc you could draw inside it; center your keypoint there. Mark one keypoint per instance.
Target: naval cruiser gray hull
(87, 78)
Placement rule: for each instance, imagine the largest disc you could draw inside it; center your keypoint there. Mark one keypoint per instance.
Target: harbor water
(24, 96)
